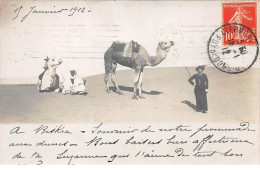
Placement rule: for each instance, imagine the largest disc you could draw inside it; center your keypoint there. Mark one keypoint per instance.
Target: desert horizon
(169, 98)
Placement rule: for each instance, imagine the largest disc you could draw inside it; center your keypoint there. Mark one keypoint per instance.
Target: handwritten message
(128, 143)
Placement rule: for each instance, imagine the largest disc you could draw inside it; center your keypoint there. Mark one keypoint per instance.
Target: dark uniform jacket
(201, 81)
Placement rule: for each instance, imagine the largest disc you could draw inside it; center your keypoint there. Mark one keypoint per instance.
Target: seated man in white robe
(74, 85)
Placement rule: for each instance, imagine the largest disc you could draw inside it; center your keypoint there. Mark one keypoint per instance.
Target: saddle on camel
(128, 48)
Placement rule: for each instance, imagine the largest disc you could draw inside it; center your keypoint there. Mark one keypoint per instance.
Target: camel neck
(52, 71)
(155, 60)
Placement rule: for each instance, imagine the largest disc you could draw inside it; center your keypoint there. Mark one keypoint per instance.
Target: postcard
(129, 82)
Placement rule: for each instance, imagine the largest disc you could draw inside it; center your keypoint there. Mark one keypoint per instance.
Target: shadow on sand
(191, 105)
(131, 89)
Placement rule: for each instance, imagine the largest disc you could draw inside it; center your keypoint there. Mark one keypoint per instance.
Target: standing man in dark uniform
(201, 89)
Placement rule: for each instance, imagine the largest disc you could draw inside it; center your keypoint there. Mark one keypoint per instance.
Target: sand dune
(169, 98)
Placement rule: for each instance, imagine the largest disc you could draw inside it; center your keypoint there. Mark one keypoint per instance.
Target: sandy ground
(169, 98)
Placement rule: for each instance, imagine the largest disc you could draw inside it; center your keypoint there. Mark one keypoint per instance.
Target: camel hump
(120, 46)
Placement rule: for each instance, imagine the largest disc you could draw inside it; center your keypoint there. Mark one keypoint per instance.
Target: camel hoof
(142, 97)
(134, 97)
(108, 91)
(120, 93)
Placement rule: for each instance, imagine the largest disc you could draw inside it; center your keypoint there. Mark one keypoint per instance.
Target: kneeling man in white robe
(74, 85)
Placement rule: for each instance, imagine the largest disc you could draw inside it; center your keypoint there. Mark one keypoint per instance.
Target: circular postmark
(233, 48)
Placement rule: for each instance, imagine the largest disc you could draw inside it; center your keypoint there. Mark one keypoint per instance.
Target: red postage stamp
(242, 13)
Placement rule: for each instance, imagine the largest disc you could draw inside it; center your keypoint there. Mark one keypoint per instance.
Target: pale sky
(81, 40)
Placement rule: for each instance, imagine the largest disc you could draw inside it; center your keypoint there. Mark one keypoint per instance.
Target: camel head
(165, 45)
(52, 62)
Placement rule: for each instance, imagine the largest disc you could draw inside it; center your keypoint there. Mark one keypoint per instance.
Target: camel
(137, 61)
(49, 80)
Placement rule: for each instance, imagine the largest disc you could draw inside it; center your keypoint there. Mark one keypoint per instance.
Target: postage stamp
(233, 47)
(241, 13)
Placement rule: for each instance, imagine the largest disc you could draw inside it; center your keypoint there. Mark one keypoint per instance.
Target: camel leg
(108, 58)
(140, 85)
(136, 80)
(113, 79)
(57, 84)
(107, 71)
(39, 85)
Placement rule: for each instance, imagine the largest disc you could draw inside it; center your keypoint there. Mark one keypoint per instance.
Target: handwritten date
(34, 10)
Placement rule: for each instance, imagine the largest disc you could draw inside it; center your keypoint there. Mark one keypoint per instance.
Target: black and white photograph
(129, 82)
